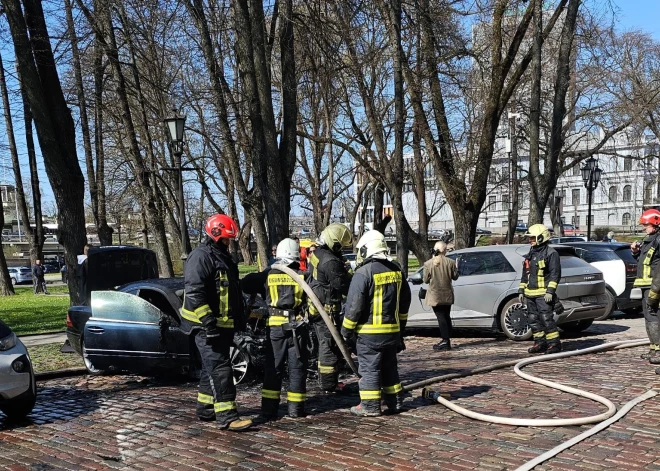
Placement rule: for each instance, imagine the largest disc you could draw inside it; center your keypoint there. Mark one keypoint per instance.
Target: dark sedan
(137, 328)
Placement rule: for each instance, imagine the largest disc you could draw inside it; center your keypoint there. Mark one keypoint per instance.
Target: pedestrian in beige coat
(439, 272)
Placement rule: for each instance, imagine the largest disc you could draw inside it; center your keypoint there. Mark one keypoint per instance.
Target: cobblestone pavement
(130, 422)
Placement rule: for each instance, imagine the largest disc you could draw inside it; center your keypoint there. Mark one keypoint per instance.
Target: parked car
(619, 269)
(521, 228)
(486, 292)
(563, 240)
(571, 229)
(20, 275)
(51, 268)
(481, 231)
(351, 259)
(18, 388)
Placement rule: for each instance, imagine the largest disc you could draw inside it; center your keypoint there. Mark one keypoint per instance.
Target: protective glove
(521, 298)
(351, 342)
(212, 335)
(653, 303)
(402, 346)
(547, 298)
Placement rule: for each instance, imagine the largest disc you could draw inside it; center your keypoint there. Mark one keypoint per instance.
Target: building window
(627, 164)
(505, 202)
(576, 170)
(575, 196)
(648, 194)
(575, 220)
(492, 175)
(626, 219)
(612, 194)
(491, 202)
(627, 193)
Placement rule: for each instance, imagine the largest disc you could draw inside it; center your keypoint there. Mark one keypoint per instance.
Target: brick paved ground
(128, 422)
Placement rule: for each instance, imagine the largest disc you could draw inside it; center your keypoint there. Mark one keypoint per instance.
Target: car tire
(91, 369)
(611, 306)
(513, 321)
(240, 363)
(19, 407)
(577, 326)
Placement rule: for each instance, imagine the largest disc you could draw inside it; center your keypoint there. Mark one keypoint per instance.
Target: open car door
(124, 333)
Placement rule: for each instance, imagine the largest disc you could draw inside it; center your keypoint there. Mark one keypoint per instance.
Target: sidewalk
(43, 339)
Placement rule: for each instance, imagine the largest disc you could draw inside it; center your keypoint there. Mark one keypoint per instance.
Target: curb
(64, 373)
(42, 334)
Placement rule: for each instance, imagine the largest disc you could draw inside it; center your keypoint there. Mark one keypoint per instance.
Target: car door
(123, 333)
(483, 277)
(420, 314)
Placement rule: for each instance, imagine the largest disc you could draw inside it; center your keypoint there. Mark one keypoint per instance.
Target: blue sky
(639, 14)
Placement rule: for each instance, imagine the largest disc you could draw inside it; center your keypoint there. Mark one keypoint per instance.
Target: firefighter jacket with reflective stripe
(541, 271)
(647, 262)
(212, 295)
(329, 278)
(283, 294)
(377, 304)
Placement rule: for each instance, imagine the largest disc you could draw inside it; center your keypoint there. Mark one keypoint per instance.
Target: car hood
(112, 266)
(4, 330)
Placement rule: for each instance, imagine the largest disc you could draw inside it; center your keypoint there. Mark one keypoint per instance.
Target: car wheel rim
(239, 364)
(88, 363)
(515, 320)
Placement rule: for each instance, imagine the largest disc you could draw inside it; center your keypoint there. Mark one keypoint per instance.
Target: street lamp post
(175, 126)
(591, 174)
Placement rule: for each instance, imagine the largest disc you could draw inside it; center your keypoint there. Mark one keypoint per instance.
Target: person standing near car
(374, 324)
(648, 279)
(329, 281)
(287, 337)
(439, 272)
(213, 299)
(38, 279)
(538, 285)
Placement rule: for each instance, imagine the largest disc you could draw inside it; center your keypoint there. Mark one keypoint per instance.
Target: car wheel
(611, 306)
(240, 363)
(19, 407)
(576, 327)
(91, 369)
(514, 322)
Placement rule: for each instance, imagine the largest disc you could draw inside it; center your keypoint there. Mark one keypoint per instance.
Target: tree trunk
(6, 288)
(515, 204)
(538, 192)
(55, 127)
(245, 242)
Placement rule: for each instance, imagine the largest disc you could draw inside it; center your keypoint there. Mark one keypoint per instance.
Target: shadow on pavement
(596, 329)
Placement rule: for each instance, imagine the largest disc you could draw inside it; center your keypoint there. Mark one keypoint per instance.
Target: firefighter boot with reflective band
(296, 410)
(367, 408)
(553, 347)
(394, 403)
(650, 354)
(653, 329)
(237, 425)
(657, 371)
(540, 346)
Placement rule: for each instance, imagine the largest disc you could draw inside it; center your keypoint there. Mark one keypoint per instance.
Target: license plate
(589, 299)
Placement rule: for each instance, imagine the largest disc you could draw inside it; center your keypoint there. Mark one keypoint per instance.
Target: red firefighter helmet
(221, 226)
(650, 216)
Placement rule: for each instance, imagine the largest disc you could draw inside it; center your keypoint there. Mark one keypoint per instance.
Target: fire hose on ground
(603, 420)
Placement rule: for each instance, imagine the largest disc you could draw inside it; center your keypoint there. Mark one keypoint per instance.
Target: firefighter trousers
(329, 355)
(217, 392)
(281, 350)
(652, 321)
(379, 371)
(542, 320)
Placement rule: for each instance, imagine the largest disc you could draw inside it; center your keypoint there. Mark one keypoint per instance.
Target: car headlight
(8, 342)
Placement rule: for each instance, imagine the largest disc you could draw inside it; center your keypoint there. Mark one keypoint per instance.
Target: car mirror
(415, 279)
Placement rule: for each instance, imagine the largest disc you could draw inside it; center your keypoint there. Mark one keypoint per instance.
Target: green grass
(48, 358)
(245, 269)
(27, 313)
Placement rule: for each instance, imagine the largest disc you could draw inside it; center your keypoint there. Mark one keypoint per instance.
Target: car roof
(172, 284)
(598, 246)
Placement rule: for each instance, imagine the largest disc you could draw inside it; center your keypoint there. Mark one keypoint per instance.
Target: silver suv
(20, 275)
(486, 292)
(18, 389)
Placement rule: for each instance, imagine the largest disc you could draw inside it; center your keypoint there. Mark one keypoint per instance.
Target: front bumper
(13, 384)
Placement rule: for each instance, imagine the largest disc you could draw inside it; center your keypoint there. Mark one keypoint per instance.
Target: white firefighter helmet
(371, 243)
(288, 251)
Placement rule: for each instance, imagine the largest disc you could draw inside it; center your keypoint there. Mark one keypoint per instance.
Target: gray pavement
(43, 339)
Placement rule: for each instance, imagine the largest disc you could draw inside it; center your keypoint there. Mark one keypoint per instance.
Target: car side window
(159, 300)
(483, 263)
(120, 306)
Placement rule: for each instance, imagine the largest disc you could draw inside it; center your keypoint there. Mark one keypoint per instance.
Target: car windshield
(569, 261)
(591, 256)
(626, 255)
(25, 270)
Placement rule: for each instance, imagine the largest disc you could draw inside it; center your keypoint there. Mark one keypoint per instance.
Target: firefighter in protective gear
(540, 277)
(329, 280)
(375, 319)
(288, 337)
(648, 279)
(213, 301)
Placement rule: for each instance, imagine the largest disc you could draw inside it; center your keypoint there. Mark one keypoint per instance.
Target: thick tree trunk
(244, 243)
(538, 194)
(6, 287)
(55, 127)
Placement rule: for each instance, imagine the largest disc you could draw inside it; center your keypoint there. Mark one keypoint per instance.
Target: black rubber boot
(655, 360)
(647, 356)
(442, 346)
(297, 410)
(394, 403)
(367, 408)
(657, 371)
(553, 347)
(539, 346)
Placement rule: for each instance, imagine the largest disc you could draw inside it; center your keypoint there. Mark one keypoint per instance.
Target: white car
(18, 388)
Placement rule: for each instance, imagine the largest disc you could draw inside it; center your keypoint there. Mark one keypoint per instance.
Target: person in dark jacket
(287, 335)
(81, 276)
(540, 278)
(374, 323)
(439, 272)
(38, 280)
(648, 279)
(213, 300)
(329, 281)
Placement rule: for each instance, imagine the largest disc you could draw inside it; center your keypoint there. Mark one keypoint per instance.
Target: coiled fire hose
(326, 318)
(518, 365)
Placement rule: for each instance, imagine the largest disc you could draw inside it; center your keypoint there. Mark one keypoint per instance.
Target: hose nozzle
(432, 395)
